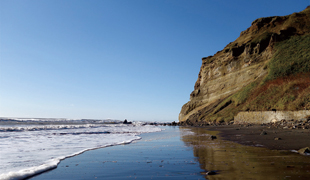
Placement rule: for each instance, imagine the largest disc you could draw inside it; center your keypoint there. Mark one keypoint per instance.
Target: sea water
(32, 146)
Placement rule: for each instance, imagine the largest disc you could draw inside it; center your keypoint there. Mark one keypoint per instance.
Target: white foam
(187, 132)
(25, 153)
(48, 127)
(21, 174)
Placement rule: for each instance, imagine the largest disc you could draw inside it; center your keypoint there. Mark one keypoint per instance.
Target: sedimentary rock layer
(240, 63)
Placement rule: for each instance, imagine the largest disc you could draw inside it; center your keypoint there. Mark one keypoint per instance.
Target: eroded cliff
(240, 76)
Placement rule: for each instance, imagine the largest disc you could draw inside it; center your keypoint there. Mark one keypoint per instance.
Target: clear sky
(133, 59)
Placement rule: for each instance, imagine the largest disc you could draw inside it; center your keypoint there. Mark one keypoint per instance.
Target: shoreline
(183, 153)
(276, 135)
(157, 155)
(264, 136)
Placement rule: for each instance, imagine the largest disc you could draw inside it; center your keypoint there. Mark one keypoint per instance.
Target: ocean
(33, 146)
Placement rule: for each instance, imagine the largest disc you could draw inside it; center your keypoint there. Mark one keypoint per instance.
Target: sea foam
(27, 150)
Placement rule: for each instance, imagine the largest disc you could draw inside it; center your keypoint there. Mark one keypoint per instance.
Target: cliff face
(227, 79)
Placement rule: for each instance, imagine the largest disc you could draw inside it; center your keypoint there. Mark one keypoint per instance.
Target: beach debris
(277, 138)
(304, 151)
(263, 133)
(212, 137)
(208, 173)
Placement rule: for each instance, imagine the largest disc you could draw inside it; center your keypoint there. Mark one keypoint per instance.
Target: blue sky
(133, 59)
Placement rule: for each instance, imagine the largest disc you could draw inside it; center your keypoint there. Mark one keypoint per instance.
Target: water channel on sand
(234, 161)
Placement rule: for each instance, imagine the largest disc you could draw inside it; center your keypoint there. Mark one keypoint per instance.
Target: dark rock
(174, 123)
(263, 133)
(208, 173)
(213, 137)
(126, 122)
(211, 173)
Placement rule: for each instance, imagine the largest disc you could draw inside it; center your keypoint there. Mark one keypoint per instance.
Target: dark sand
(188, 153)
(235, 161)
(290, 139)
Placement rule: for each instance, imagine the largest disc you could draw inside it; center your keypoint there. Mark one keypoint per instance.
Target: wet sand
(235, 161)
(273, 138)
(160, 155)
(186, 153)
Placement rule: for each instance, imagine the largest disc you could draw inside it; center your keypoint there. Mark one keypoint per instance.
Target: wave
(56, 120)
(47, 127)
(50, 164)
(50, 141)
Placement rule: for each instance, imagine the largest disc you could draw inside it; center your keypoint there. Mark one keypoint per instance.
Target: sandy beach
(190, 153)
(265, 136)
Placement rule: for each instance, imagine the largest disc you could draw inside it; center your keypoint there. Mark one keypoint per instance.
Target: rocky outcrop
(240, 63)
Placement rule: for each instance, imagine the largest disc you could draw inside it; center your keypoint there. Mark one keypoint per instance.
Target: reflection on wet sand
(234, 161)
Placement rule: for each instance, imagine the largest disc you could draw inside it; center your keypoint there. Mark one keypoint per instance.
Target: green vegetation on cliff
(292, 56)
(266, 68)
(286, 87)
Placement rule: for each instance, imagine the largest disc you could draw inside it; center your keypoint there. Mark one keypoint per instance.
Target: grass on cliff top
(292, 56)
(286, 87)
